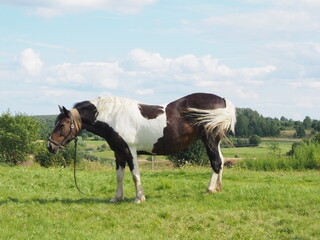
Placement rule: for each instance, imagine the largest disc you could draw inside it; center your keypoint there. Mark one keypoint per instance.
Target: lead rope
(75, 164)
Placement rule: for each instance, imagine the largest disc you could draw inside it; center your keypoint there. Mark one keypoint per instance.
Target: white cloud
(52, 8)
(189, 67)
(146, 91)
(30, 62)
(267, 21)
(306, 83)
(293, 60)
(146, 72)
(93, 74)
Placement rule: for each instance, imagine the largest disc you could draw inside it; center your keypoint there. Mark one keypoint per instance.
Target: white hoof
(116, 199)
(211, 191)
(140, 199)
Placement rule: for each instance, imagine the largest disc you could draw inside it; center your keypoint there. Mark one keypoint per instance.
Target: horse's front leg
(119, 193)
(140, 197)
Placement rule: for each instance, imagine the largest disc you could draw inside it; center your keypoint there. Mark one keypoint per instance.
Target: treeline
(19, 134)
(250, 122)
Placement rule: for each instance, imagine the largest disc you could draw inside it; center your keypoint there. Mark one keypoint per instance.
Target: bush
(254, 140)
(62, 159)
(303, 155)
(18, 135)
(195, 154)
(242, 142)
(47, 159)
(306, 156)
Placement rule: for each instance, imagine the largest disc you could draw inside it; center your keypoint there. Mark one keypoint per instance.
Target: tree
(301, 132)
(47, 123)
(307, 122)
(250, 122)
(242, 125)
(316, 125)
(17, 137)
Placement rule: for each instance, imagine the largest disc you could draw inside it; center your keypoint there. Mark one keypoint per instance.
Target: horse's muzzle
(52, 147)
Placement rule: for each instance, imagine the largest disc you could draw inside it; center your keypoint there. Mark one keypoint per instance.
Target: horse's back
(200, 101)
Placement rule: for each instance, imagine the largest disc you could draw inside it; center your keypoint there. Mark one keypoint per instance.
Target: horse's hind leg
(216, 160)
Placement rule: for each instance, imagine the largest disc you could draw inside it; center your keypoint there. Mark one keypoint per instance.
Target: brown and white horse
(132, 128)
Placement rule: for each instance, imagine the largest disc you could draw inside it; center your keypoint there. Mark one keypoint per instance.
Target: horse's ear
(65, 111)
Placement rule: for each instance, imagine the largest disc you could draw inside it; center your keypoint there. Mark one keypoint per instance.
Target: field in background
(94, 147)
(260, 151)
(40, 203)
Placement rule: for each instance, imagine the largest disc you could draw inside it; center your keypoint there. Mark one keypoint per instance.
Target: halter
(72, 132)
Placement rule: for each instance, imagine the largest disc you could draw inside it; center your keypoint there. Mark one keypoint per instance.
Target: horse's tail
(215, 122)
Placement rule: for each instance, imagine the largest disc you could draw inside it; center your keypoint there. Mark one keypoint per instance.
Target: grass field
(260, 151)
(243, 152)
(39, 203)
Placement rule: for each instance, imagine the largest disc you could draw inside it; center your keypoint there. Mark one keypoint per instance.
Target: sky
(260, 54)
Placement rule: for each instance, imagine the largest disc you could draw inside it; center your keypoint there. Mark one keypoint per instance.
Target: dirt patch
(26, 163)
(230, 162)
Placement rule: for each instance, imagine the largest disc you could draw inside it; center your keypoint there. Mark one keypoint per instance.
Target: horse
(132, 128)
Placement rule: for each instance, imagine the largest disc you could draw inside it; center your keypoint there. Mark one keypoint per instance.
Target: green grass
(257, 152)
(39, 203)
(243, 152)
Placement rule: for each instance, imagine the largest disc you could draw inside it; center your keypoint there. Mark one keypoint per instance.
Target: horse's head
(68, 125)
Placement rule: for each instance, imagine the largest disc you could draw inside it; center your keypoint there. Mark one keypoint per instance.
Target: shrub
(242, 142)
(17, 137)
(47, 159)
(254, 140)
(274, 149)
(63, 158)
(303, 155)
(306, 156)
(195, 154)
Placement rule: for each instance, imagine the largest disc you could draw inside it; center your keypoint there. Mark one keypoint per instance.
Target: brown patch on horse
(180, 132)
(150, 111)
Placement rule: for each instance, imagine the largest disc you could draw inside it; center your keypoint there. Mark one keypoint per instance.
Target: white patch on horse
(124, 116)
(215, 183)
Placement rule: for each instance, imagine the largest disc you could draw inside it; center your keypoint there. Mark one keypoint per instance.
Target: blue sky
(260, 54)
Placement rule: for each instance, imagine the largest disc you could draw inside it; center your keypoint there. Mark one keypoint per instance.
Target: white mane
(108, 106)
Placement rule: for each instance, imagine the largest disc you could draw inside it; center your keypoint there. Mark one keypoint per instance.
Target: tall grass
(304, 157)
